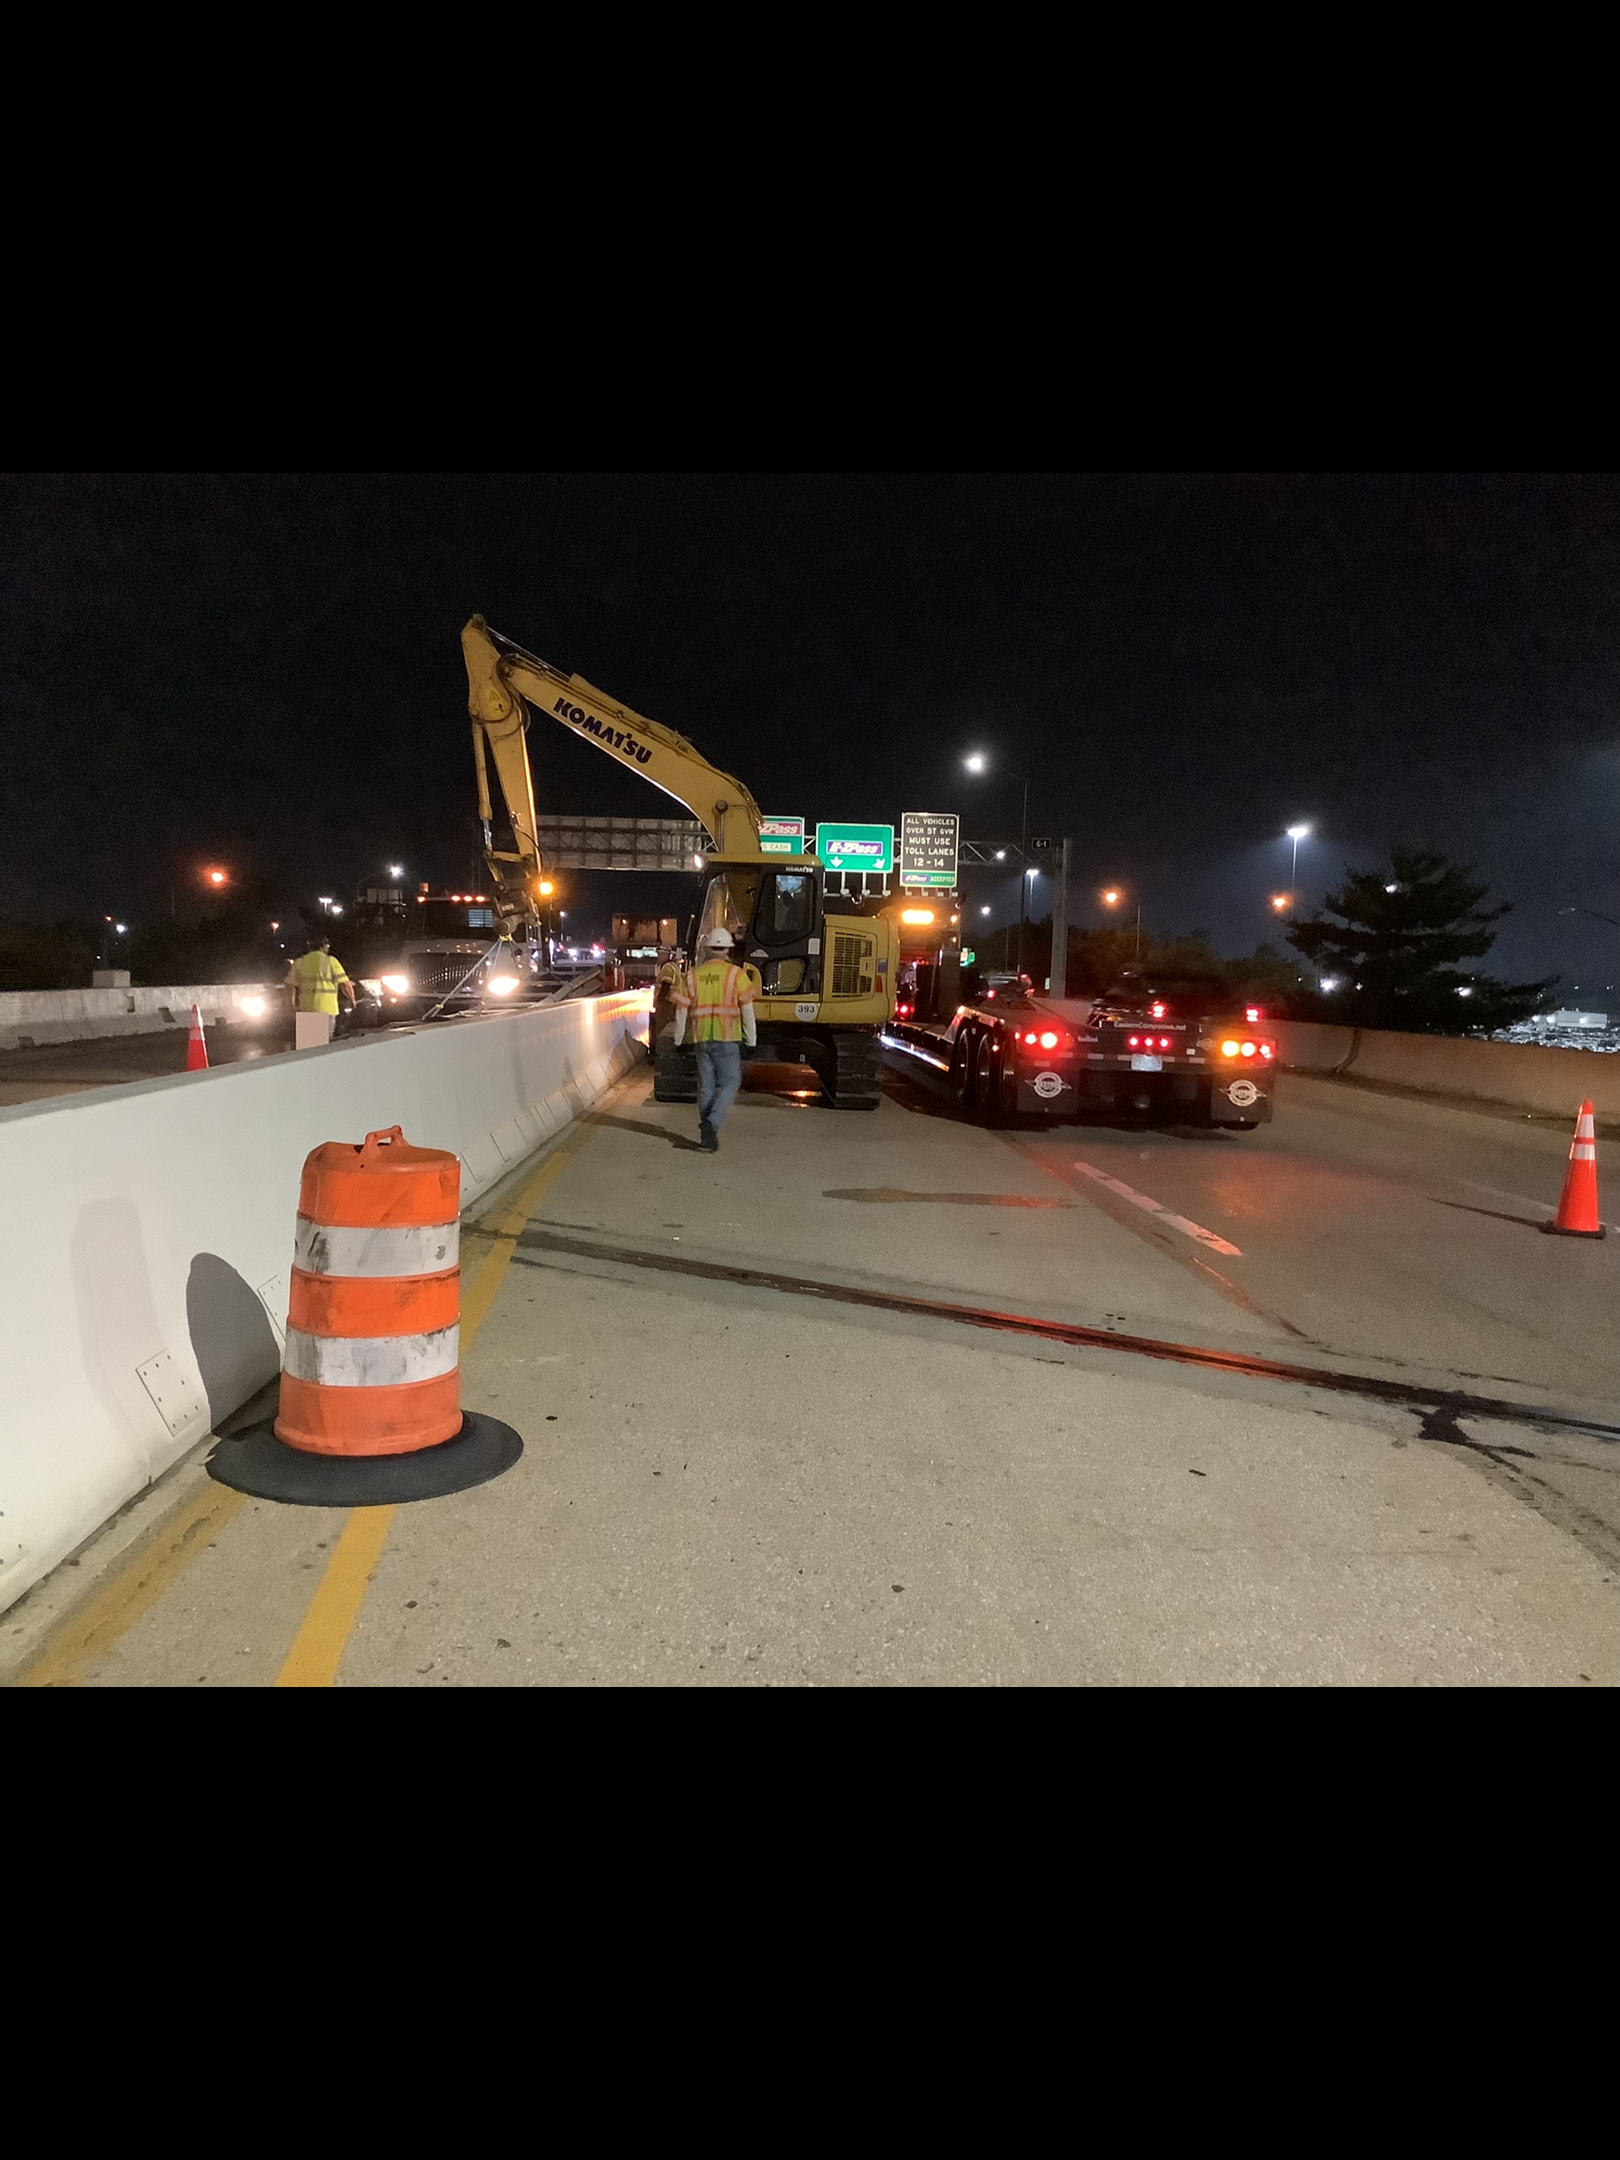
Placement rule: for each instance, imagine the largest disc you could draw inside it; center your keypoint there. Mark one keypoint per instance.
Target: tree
(1390, 957)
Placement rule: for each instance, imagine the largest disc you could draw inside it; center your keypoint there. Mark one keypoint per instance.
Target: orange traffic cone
(196, 1043)
(1578, 1208)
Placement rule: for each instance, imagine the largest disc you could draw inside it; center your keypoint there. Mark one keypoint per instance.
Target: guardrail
(36, 1017)
(143, 1281)
(1515, 1076)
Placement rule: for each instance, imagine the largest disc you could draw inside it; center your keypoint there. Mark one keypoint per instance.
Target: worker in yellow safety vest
(664, 987)
(315, 978)
(715, 1004)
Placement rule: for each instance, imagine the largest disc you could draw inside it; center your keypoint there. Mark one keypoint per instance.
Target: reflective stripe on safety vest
(714, 996)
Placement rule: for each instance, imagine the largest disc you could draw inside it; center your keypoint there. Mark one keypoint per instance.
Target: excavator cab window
(787, 909)
(728, 904)
(783, 933)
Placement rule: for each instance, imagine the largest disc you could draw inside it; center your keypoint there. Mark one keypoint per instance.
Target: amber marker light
(917, 915)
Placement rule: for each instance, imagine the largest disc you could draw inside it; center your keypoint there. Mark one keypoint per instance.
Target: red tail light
(1164, 1042)
(1251, 1013)
(1048, 1040)
(1158, 1011)
(1133, 1041)
(1266, 1050)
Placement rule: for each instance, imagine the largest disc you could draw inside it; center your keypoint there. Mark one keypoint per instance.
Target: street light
(1296, 833)
(984, 911)
(1281, 902)
(977, 761)
(1111, 898)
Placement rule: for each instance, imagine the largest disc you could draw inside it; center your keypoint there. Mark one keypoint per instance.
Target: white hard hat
(718, 939)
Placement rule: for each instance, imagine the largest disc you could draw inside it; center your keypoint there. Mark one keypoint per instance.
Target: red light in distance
(1157, 1011)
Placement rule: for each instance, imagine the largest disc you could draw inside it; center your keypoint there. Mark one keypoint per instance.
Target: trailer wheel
(962, 1062)
(987, 1084)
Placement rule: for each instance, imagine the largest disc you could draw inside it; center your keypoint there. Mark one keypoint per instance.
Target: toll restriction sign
(928, 845)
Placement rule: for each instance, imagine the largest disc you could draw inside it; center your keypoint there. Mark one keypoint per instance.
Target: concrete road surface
(738, 1481)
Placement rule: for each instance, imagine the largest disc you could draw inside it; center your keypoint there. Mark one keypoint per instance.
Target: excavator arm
(502, 679)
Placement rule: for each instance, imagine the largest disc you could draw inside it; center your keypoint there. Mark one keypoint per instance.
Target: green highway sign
(856, 847)
(781, 835)
(967, 956)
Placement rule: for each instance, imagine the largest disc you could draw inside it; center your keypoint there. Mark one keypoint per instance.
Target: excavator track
(674, 1076)
(857, 1082)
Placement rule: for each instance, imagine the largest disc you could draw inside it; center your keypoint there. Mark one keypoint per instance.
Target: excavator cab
(774, 915)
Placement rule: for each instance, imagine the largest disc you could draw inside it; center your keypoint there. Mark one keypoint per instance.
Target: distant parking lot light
(396, 869)
(984, 911)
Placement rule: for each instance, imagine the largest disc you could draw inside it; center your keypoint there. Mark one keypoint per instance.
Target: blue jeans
(719, 1077)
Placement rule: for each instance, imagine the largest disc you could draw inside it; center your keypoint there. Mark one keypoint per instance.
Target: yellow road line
(318, 1647)
(92, 1632)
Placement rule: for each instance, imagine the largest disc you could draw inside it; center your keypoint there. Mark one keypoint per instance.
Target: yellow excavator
(827, 980)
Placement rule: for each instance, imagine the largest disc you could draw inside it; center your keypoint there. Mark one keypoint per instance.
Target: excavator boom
(502, 678)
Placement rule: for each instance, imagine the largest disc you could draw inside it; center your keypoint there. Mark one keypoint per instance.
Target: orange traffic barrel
(372, 1364)
(371, 1374)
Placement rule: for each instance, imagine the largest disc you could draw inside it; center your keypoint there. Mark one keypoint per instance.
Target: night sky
(264, 671)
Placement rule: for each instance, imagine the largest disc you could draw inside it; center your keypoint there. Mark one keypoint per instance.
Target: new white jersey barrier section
(143, 1282)
(1519, 1076)
(32, 1018)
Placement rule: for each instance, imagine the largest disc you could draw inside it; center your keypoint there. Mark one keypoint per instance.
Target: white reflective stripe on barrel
(371, 1360)
(391, 1249)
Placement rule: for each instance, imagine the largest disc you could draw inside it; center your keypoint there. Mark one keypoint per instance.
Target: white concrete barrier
(37, 1017)
(149, 1231)
(1519, 1076)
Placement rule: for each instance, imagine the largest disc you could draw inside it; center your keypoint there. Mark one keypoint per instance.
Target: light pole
(1296, 833)
(977, 762)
